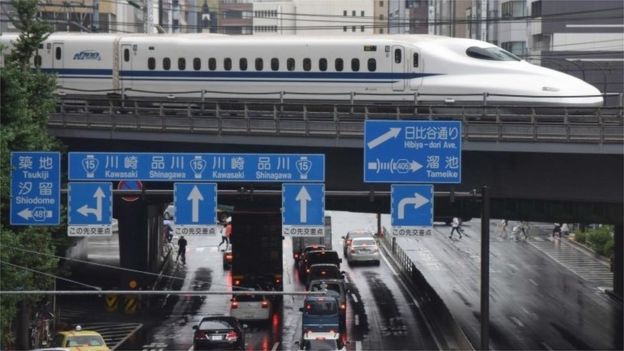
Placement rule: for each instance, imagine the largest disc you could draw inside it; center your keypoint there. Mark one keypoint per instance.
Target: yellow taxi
(80, 340)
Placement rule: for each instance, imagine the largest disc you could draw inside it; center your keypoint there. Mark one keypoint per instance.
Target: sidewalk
(580, 262)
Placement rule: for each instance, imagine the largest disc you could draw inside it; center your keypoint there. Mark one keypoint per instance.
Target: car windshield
(331, 287)
(321, 307)
(493, 53)
(214, 324)
(364, 242)
(359, 234)
(84, 340)
(248, 298)
(323, 256)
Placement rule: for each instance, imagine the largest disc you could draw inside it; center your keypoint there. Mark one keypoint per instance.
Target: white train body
(381, 68)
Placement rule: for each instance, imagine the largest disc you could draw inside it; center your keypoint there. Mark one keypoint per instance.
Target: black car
(316, 257)
(219, 332)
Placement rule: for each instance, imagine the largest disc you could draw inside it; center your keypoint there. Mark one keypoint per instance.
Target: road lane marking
(389, 265)
(274, 348)
(546, 346)
(358, 345)
(533, 282)
(355, 299)
(357, 320)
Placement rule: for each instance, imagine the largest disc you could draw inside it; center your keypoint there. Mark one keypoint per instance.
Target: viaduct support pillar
(133, 240)
(618, 260)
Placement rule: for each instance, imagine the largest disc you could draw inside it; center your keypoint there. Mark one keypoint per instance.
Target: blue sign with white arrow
(303, 209)
(35, 188)
(196, 208)
(197, 167)
(90, 209)
(412, 151)
(411, 209)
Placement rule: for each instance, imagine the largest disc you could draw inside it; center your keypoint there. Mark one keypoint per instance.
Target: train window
(275, 64)
(126, 55)
(323, 64)
(372, 65)
(37, 60)
(181, 63)
(151, 63)
(242, 64)
(227, 63)
(339, 64)
(494, 53)
(415, 59)
(166, 63)
(196, 64)
(259, 64)
(212, 63)
(398, 56)
(355, 65)
(290, 64)
(57, 53)
(307, 64)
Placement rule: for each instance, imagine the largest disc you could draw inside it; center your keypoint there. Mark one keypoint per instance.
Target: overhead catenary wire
(51, 275)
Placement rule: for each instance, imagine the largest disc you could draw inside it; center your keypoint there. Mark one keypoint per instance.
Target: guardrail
(336, 120)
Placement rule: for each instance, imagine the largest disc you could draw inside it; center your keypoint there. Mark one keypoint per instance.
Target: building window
(381, 4)
(344, 13)
(275, 64)
(259, 64)
(353, 28)
(151, 63)
(242, 64)
(338, 65)
(513, 8)
(362, 13)
(355, 65)
(372, 65)
(166, 63)
(212, 63)
(381, 17)
(361, 28)
(227, 63)
(344, 29)
(353, 13)
(415, 59)
(381, 30)
(307, 64)
(323, 64)
(290, 64)
(196, 64)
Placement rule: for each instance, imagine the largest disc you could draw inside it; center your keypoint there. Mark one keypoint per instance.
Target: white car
(363, 250)
(251, 308)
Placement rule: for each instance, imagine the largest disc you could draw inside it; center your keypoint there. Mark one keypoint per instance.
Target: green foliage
(580, 237)
(26, 99)
(601, 240)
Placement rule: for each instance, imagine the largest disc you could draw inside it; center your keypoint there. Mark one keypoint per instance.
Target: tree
(27, 98)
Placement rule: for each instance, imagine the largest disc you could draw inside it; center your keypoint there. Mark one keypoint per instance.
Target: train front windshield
(492, 53)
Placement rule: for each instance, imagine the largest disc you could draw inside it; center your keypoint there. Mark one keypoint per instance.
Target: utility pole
(95, 19)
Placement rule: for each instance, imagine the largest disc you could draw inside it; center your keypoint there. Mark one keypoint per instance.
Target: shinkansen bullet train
(385, 68)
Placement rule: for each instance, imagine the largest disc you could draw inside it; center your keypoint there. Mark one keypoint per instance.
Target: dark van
(317, 257)
(320, 314)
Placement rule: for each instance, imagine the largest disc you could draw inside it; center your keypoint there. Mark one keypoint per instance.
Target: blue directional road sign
(197, 167)
(412, 151)
(196, 208)
(35, 188)
(90, 209)
(303, 209)
(411, 209)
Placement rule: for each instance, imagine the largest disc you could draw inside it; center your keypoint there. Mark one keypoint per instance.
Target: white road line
(389, 265)
(546, 346)
(358, 345)
(275, 346)
(533, 282)
(357, 320)
(355, 299)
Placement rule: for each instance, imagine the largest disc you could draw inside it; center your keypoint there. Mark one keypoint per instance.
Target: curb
(586, 250)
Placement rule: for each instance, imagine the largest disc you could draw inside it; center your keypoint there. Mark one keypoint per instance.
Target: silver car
(363, 250)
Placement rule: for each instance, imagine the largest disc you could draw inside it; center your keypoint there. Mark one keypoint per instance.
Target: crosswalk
(582, 264)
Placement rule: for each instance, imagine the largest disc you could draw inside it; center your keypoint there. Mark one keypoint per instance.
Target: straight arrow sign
(303, 197)
(195, 197)
(97, 211)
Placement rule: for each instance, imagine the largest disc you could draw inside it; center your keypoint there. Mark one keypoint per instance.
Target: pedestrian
(503, 231)
(564, 229)
(182, 249)
(168, 227)
(226, 233)
(455, 228)
(556, 230)
(524, 228)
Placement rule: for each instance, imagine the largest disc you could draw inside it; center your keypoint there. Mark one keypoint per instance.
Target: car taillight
(322, 272)
(200, 335)
(231, 336)
(234, 304)
(343, 306)
(296, 256)
(265, 304)
(237, 282)
(307, 270)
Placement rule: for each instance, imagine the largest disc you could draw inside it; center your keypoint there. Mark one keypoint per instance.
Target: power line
(51, 275)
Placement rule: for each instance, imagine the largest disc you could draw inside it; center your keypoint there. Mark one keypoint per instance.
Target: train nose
(570, 90)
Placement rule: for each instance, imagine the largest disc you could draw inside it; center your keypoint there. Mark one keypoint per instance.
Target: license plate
(216, 337)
